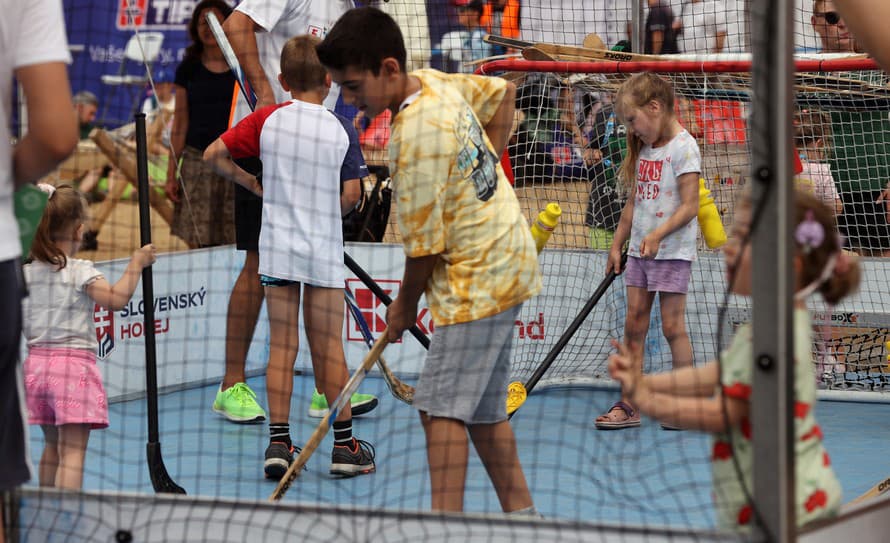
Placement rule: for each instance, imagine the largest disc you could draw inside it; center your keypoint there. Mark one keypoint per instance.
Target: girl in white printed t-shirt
(660, 176)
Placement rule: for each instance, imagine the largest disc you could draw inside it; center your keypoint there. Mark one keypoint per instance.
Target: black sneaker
(279, 457)
(352, 460)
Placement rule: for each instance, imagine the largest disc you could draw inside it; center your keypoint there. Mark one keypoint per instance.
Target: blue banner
(98, 32)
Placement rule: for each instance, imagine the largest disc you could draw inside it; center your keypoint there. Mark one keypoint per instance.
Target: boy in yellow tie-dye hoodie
(467, 245)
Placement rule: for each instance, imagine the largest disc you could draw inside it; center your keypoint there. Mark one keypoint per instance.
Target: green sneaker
(238, 404)
(361, 404)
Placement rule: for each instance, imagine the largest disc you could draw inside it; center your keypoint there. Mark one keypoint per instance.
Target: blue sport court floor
(646, 476)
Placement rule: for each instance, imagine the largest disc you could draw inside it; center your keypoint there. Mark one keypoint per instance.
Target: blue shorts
(467, 370)
(658, 275)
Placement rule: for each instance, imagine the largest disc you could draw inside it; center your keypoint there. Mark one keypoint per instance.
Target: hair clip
(47, 188)
(809, 233)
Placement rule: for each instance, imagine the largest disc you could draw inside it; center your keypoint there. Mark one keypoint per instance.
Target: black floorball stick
(382, 296)
(160, 479)
(517, 391)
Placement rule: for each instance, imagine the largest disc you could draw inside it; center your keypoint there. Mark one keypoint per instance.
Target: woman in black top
(203, 213)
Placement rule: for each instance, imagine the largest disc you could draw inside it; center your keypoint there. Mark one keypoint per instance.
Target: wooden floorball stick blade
(875, 491)
(516, 395)
(593, 41)
(400, 391)
(533, 53)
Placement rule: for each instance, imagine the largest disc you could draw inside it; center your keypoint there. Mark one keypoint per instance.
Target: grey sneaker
(279, 457)
(352, 460)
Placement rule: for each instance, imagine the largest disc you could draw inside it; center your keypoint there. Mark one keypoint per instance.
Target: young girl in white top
(660, 176)
(716, 397)
(63, 386)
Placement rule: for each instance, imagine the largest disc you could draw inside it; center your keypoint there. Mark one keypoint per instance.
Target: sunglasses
(831, 17)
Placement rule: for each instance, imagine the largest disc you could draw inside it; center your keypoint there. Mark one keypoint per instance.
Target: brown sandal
(631, 420)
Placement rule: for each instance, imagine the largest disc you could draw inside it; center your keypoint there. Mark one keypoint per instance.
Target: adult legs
(243, 312)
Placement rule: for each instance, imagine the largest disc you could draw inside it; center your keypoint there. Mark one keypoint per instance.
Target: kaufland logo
(154, 14)
(374, 311)
(103, 320)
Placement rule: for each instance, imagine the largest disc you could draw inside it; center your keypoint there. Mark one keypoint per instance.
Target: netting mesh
(566, 147)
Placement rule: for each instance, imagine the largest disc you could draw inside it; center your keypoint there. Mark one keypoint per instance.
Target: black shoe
(279, 457)
(89, 241)
(354, 459)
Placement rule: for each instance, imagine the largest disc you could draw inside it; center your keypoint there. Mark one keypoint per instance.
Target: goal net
(568, 145)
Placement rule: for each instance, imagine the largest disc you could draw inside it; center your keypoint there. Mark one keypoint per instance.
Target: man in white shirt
(570, 21)
(703, 27)
(35, 52)
(258, 30)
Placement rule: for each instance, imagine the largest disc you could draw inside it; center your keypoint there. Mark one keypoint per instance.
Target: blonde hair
(65, 210)
(300, 67)
(636, 92)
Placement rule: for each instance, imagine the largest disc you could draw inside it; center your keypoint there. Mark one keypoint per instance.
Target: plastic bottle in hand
(708, 218)
(545, 223)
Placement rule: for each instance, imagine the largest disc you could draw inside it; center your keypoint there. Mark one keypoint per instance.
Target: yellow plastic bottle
(545, 223)
(708, 218)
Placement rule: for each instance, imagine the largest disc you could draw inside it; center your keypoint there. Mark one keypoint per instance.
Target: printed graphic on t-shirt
(474, 160)
(561, 155)
(648, 179)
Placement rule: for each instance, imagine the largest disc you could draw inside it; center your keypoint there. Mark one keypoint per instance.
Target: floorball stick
(593, 41)
(875, 491)
(157, 470)
(322, 429)
(231, 59)
(518, 392)
(401, 391)
(554, 51)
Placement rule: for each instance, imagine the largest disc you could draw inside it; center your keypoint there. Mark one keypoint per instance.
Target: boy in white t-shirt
(312, 164)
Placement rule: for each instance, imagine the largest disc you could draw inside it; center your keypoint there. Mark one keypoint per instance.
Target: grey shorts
(467, 370)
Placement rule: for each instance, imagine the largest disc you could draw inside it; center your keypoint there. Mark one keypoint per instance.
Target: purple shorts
(64, 386)
(658, 275)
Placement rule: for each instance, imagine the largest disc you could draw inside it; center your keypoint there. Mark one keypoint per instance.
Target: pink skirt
(64, 386)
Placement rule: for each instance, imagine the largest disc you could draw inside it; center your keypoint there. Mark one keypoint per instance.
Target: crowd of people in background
(571, 135)
(449, 35)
